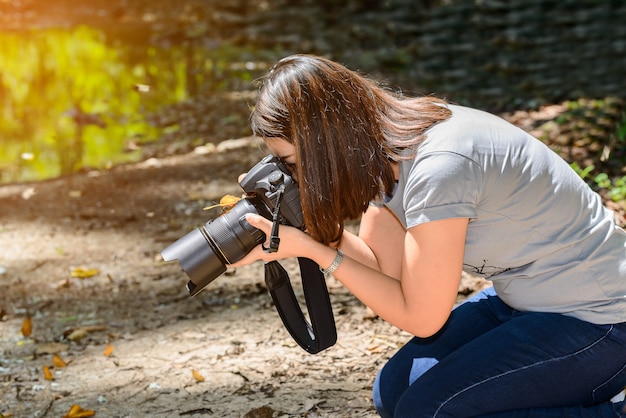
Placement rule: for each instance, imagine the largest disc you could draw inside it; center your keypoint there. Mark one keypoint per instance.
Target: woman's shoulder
(476, 119)
(470, 131)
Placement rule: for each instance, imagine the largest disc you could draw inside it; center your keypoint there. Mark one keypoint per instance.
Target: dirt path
(117, 222)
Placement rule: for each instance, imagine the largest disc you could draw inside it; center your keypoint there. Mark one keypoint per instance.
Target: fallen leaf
(47, 373)
(73, 409)
(51, 348)
(77, 412)
(197, 376)
(83, 272)
(27, 327)
(58, 361)
(108, 350)
(77, 334)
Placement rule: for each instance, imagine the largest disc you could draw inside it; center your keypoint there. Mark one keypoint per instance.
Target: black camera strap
(321, 333)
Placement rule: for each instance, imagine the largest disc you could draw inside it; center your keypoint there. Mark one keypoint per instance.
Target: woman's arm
(431, 265)
(418, 300)
(383, 234)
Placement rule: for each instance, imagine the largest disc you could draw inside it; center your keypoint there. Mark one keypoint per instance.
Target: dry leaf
(83, 272)
(197, 376)
(108, 350)
(80, 333)
(73, 410)
(58, 361)
(27, 327)
(51, 348)
(77, 334)
(226, 202)
(77, 412)
(47, 373)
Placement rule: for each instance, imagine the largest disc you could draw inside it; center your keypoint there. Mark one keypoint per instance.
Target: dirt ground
(111, 227)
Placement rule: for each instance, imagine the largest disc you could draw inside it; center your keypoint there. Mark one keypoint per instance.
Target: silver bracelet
(334, 265)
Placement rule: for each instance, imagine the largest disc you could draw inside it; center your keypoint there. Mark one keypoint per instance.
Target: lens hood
(197, 258)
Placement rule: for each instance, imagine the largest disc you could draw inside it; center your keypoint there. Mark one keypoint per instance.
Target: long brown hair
(346, 131)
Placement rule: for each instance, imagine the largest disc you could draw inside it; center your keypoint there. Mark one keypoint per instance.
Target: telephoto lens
(204, 252)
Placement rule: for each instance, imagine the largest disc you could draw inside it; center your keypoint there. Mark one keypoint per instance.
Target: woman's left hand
(293, 242)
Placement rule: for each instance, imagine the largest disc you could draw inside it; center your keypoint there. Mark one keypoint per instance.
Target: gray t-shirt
(536, 229)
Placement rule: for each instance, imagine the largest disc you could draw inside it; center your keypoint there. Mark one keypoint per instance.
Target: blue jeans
(492, 361)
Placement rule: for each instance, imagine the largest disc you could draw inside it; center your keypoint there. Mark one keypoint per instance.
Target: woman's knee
(384, 410)
(395, 378)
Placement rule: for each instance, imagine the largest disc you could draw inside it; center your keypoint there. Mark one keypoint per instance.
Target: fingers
(289, 245)
(254, 255)
(259, 222)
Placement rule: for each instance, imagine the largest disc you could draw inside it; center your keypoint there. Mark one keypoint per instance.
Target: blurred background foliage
(71, 100)
(84, 88)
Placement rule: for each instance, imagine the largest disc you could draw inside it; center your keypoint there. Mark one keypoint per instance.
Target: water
(76, 98)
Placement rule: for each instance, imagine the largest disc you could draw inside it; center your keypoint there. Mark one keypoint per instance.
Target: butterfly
(226, 203)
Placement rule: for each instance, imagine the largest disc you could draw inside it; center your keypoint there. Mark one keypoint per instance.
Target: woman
(440, 189)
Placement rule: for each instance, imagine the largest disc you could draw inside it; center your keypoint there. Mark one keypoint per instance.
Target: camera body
(204, 252)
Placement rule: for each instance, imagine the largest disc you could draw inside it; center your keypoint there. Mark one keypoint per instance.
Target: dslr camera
(270, 191)
(203, 253)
